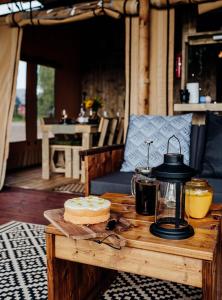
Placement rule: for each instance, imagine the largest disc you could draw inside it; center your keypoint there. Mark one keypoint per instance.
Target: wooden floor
(28, 205)
(32, 179)
(26, 195)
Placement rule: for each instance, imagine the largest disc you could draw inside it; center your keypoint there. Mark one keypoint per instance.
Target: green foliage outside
(45, 94)
(45, 91)
(18, 118)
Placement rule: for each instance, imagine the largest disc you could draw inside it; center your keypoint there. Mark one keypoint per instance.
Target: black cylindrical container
(145, 195)
(144, 190)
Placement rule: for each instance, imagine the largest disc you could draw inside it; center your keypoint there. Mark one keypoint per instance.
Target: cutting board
(97, 232)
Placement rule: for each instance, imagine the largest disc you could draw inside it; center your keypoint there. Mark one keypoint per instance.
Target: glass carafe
(143, 187)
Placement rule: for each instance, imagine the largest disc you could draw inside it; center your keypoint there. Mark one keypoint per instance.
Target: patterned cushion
(158, 129)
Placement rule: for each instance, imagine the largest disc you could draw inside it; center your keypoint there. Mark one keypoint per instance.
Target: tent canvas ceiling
(47, 2)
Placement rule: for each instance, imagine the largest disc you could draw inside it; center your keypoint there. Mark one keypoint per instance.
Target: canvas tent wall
(13, 24)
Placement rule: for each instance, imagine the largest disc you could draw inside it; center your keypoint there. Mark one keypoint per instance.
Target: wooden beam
(31, 103)
(171, 61)
(158, 62)
(143, 105)
(127, 72)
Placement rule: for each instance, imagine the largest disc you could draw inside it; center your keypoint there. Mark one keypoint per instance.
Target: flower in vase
(88, 103)
(94, 103)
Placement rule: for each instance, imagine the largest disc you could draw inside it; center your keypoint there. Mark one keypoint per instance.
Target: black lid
(173, 168)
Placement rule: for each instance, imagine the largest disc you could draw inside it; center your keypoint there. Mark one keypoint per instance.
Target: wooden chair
(120, 131)
(112, 130)
(103, 127)
(99, 161)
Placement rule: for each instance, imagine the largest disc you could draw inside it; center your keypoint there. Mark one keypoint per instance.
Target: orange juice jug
(198, 198)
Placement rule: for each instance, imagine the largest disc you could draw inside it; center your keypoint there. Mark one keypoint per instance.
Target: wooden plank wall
(103, 67)
(24, 154)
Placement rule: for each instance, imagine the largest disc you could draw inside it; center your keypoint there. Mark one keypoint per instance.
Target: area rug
(23, 271)
(134, 287)
(22, 262)
(71, 188)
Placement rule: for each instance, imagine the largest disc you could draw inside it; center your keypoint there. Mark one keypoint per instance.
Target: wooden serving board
(97, 232)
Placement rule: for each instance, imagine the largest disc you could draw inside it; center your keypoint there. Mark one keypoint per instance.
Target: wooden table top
(70, 128)
(201, 246)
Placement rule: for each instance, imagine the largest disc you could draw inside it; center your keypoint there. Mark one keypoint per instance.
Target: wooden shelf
(198, 107)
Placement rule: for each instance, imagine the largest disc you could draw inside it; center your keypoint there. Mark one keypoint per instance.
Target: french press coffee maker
(143, 187)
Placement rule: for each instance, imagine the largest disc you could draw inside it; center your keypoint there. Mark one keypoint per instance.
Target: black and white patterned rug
(71, 188)
(134, 287)
(22, 262)
(23, 271)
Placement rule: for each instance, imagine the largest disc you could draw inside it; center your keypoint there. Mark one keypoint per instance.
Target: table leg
(60, 273)
(45, 155)
(86, 140)
(76, 164)
(219, 264)
(50, 252)
(212, 273)
(209, 281)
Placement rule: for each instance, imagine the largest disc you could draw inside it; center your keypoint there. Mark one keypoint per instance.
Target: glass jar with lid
(198, 198)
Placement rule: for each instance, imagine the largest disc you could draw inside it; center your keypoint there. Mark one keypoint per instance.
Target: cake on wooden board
(87, 210)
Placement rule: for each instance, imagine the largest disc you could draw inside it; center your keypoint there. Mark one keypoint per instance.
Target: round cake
(87, 210)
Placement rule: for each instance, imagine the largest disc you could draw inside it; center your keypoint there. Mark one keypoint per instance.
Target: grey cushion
(158, 129)
(200, 147)
(212, 157)
(216, 184)
(117, 182)
(120, 182)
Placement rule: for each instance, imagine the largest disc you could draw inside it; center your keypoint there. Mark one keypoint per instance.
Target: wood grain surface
(201, 246)
(92, 231)
(106, 162)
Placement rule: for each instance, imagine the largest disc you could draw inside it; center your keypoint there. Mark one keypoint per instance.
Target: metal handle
(173, 136)
(148, 143)
(133, 192)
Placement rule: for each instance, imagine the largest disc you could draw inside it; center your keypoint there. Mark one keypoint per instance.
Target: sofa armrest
(100, 161)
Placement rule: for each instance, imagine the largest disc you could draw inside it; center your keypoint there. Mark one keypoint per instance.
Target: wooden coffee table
(75, 268)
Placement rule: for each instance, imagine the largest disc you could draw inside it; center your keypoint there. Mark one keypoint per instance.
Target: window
(18, 131)
(45, 94)
(205, 66)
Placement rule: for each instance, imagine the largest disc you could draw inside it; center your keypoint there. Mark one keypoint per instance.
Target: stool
(64, 163)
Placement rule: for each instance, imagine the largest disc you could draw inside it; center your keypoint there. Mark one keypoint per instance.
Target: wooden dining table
(87, 130)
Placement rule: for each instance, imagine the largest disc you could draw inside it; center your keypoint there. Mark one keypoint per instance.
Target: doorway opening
(83, 58)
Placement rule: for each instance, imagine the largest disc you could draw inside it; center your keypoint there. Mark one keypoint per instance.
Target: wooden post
(31, 103)
(158, 63)
(171, 61)
(127, 73)
(143, 105)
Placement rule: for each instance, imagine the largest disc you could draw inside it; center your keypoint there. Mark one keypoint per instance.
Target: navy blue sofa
(103, 167)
